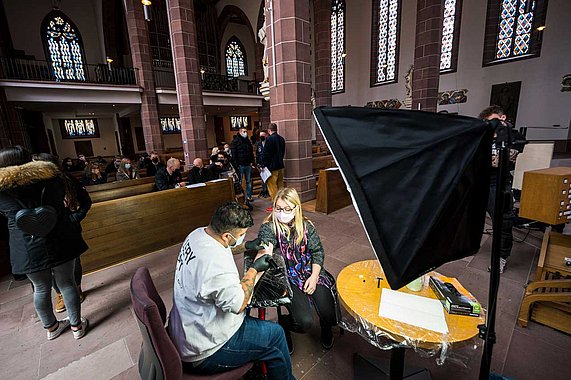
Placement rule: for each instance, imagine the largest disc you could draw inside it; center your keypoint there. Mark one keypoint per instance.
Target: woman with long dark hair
(26, 185)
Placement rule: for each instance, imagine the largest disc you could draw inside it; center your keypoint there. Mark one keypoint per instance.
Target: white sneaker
(78, 334)
(62, 325)
(503, 263)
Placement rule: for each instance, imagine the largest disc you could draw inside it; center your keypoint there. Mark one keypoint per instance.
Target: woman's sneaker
(62, 325)
(78, 334)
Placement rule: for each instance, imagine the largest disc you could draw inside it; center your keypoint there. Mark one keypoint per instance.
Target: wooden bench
(322, 162)
(123, 229)
(332, 193)
(117, 190)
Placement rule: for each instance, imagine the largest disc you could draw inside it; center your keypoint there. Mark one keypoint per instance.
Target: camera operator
(516, 142)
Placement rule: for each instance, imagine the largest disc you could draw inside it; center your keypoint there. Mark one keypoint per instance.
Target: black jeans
(508, 219)
(300, 318)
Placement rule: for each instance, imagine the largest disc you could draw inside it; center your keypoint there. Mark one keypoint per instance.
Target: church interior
(178, 78)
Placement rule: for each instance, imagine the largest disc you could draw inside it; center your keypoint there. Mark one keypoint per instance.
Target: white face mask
(244, 135)
(127, 166)
(284, 218)
(239, 241)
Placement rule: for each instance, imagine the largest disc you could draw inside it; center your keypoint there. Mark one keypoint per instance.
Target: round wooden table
(360, 285)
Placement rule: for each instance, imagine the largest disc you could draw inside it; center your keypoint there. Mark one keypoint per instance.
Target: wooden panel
(122, 192)
(332, 193)
(546, 195)
(116, 185)
(120, 230)
(555, 315)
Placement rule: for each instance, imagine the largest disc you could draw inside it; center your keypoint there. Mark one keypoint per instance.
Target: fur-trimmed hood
(12, 177)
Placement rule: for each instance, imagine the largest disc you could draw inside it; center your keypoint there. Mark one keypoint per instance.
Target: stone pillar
(290, 89)
(187, 75)
(322, 31)
(142, 61)
(427, 55)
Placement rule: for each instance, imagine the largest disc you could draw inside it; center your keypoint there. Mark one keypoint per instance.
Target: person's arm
(317, 257)
(267, 235)
(268, 151)
(248, 282)
(161, 181)
(136, 176)
(84, 201)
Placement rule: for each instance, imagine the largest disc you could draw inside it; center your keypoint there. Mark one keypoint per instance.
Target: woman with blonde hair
(296, 239)
(126, 171)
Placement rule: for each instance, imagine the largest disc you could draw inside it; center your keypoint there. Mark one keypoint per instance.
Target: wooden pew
(332, 193)
(117, 190)
(322, 162)
(122, 229)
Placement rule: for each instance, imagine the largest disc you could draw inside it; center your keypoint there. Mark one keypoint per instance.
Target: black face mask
(262, 138)
(155, 160)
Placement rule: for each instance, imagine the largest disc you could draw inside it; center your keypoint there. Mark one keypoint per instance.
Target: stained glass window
(63, 46)
(79, 128)
(237, 122)
(235, 58)
(450, 35)
(514, 32)
(387, 13)
(337, 45)
(170, 124)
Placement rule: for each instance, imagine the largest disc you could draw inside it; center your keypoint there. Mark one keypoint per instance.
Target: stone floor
(111, 347)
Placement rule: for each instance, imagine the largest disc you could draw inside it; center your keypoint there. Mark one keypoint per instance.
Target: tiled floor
(110, 349)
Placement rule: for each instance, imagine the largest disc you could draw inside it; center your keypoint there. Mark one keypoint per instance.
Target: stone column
(290, 91)
(427, 55)
(142, 61)
(11, 131)
(322, 49)
(187, 75)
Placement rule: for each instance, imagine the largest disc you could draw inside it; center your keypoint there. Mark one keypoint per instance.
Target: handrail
(29, 69)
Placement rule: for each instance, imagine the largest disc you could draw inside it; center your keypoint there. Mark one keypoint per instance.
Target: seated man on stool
(207, 323)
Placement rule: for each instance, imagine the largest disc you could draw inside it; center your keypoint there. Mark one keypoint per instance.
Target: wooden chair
(159, 359)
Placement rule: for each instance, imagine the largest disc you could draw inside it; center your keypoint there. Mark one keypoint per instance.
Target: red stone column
(141, 55)
(187, 75)
(322, 31)
(427, 55)
(290, 89)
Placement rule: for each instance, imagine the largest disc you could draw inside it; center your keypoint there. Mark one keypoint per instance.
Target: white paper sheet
(218, 180)
(265, 174)
(200, 184)
(427, 313)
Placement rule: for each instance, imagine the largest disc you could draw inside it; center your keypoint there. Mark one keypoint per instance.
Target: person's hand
(254, 245)
(311, 284)
(263, 263)
(181, 184)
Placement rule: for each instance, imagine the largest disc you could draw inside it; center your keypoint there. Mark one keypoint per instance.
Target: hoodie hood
(12, 177)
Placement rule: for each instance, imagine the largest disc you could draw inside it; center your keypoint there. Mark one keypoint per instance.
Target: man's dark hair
(13, 156)
(486, 112)
(273, 127)
(229, 217)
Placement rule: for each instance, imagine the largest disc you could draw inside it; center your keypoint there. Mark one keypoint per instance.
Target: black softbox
(419, 181)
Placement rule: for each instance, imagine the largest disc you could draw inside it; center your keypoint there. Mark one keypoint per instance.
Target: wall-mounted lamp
(147, 9)
(343, 55)
(109, 61)
(541, 28)
(202, 71)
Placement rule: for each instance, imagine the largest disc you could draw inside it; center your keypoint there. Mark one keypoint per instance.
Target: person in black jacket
(260, 144)
(243, 157)
(78, 201)
(27, 185)
(273, 159)
(154, 165)
(169, 177)
(199, 173)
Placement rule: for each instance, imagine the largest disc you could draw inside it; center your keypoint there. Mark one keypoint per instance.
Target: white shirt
(207, 297)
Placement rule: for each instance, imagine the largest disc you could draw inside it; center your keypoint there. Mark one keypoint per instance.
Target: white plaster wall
(25, 18)
(541, 103)
(358, 25)
(243, 34)
(104, 145)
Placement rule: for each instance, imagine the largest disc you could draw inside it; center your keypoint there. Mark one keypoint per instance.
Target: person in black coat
(259, 147)
(198, 173)
(27, 185)
(154, 165)
(169, 177)
(273, 159)
(243, 157)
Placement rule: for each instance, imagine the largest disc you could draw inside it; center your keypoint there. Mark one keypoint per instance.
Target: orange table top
(359, 294)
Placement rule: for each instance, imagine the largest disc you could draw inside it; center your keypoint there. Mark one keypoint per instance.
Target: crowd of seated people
(93, 175)
(126, 171)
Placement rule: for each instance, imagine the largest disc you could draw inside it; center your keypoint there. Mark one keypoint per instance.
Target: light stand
(488, 331)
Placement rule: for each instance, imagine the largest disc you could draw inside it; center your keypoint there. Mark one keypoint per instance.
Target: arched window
(450, 35)
(386, 30)
(513, 29)
(235, 58)
(63, 46)
(337, 45)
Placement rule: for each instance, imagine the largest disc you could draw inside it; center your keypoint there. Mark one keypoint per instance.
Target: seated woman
(296, 239)
(126, 171)
(93, 175)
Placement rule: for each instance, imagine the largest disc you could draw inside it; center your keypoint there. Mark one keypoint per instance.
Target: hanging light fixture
(147, 9)
(109, 61)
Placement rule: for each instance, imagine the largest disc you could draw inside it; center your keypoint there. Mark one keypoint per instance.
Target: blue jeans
(246, 171)
(255, 340)
(77, 274)
(42, 281)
